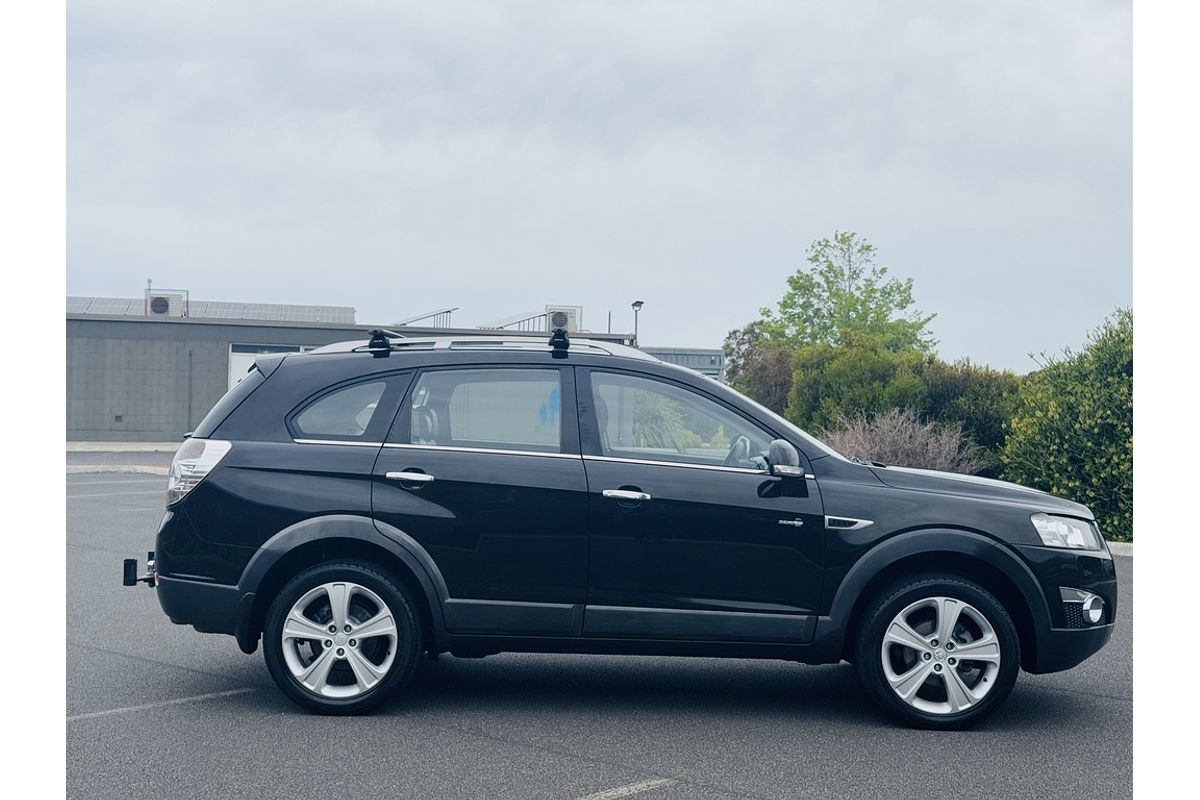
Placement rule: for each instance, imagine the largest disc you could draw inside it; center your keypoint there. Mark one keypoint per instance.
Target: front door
(483, 470)
(691, 537)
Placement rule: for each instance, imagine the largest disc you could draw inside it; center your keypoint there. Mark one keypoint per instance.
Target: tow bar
(131, 577)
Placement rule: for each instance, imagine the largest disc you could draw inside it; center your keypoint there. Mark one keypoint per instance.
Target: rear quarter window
(341, 414)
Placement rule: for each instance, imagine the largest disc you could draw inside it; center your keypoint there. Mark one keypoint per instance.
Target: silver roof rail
(536, 343)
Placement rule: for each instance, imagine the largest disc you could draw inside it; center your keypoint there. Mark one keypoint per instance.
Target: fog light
(1091, 606)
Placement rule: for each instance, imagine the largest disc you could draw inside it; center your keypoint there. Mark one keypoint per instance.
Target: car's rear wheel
(340, 638)
(938, 651)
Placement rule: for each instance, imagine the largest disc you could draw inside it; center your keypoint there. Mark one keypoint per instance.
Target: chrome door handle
(625, 494)
(410, 477)
(795, 523)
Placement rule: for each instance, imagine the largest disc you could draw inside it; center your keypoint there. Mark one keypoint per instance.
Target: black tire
(403, 611)
(877, 618)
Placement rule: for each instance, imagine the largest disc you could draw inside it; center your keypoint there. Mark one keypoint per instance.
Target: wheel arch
(969, 555)
(313, 541)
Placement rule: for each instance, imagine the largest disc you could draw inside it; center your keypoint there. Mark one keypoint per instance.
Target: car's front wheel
(340, 638)
(938, 651)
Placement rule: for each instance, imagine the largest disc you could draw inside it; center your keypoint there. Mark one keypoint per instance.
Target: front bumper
(1063, 644)
(1063, 648)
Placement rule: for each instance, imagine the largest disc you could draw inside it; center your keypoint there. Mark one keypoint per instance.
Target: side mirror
(784, 460)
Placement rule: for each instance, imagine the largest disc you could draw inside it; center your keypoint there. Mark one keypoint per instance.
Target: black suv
(366, 503)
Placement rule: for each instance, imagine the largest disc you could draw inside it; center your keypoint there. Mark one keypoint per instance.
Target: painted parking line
(114, 494)
(629, 790)
(178, 701)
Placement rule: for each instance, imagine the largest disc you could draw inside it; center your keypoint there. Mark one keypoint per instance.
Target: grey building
(139, 370)
(148, 369)
(708, 361)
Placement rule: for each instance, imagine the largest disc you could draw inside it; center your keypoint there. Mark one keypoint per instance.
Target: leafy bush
(860, 375)
(982, 399)
(1072, 433)
(898, 436)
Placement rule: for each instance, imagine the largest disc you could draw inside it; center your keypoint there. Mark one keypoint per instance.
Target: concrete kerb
(122, 447)
(119, 469)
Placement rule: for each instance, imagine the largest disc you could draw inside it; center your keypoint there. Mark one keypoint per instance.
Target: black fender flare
(337, 526)
(832, 629)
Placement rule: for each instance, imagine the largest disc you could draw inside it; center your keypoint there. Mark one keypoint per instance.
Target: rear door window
(492, 409)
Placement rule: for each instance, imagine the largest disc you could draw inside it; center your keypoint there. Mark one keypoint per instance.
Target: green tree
(1072, 433)
(740, 346)
(758, 367)
(842, 294)
(860, 375)
(844, 291)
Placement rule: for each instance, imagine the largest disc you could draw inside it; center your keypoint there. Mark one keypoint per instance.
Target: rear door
(482, 469)
(691, 537)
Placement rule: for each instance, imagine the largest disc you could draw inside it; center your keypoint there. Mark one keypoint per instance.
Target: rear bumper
(207, 607)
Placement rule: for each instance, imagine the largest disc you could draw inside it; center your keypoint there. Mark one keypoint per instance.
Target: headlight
(1066, 532)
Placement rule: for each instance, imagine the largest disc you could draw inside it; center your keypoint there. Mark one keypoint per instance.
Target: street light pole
(637, 306)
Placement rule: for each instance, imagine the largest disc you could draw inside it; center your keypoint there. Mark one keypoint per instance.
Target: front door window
(652, 420)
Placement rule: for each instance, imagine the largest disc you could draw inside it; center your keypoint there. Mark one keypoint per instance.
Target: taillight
(193, 461)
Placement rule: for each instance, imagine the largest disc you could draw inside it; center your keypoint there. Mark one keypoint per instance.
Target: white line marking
(630, 790)
(114, 494)
(147, 706)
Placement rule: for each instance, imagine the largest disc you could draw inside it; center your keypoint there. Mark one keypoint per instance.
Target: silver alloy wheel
(339, 640)
(941, 655)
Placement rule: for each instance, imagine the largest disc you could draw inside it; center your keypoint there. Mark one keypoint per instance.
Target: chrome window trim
(344, 442)
(713, 467)
(490, 450)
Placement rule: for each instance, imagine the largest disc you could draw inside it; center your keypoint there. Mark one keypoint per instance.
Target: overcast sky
(499, 156)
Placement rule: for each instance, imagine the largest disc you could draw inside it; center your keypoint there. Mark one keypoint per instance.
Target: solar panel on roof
(109, 305)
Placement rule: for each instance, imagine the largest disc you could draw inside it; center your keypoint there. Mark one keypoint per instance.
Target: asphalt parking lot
(155, 710)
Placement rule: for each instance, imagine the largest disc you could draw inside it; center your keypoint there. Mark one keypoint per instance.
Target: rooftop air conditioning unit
(569, 318)
(162, 304)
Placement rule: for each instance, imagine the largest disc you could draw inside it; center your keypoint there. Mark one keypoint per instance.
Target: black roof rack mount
(559, 342)
(379, 343)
